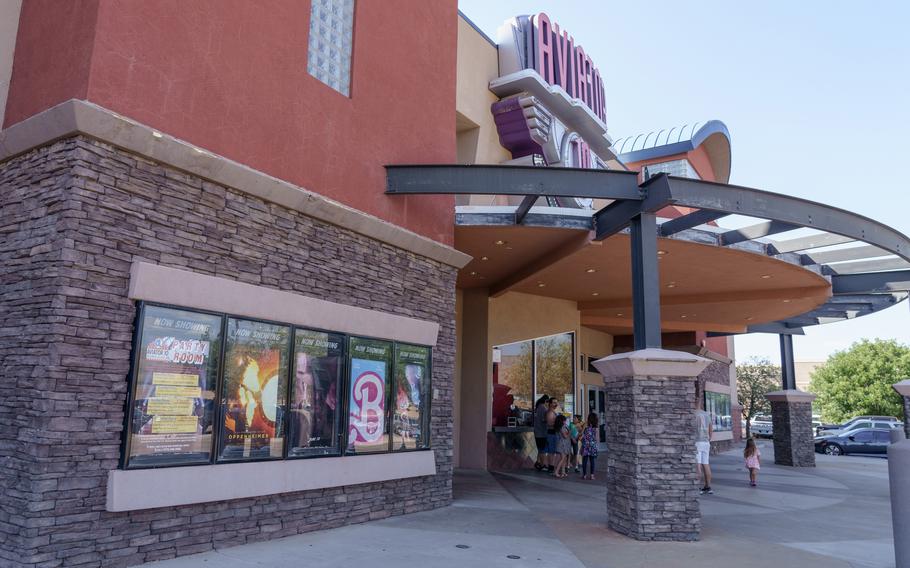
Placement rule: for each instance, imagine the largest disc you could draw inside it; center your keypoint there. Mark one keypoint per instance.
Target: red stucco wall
(230, 76)
(53, 55)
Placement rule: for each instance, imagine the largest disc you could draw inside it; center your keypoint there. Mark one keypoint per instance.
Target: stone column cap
(903, 387)
(652, 362)
(790, 395)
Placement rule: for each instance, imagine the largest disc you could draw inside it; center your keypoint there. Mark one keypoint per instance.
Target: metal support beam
(871, 283)
(871, 265)
(645, 282)
(808, 243)
(511, 180)
(756, 231)
(524, 207)
(787, 365)
(619, 214)
(851, 253)
(689, 221)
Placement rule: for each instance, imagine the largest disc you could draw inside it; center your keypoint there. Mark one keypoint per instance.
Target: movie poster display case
(209, 388)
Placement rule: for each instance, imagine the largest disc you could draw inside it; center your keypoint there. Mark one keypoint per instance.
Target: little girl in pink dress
(753, 460)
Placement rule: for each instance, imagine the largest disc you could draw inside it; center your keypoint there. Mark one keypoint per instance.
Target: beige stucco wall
(804, 370)
(474, 378)
(477, 139)
(592, 343)
(9, 24)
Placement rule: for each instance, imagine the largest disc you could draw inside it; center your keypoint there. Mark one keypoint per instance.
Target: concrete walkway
(837, 515)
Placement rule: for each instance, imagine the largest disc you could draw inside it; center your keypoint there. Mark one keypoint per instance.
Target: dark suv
(861, 441)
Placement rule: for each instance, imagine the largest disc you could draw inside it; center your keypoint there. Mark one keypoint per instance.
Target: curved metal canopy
(869, 269)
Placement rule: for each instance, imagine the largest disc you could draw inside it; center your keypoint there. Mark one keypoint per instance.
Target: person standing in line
(589, 446)
(752, 455)
(540, 431)
(563, 446)
(552, 437)
(703, 431)
(574, 433)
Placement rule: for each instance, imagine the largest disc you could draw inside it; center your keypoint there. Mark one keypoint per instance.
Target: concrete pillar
(475, 391)
(903, 389)
(652, 483)
(791, 415)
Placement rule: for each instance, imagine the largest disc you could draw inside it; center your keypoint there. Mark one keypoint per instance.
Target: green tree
(754, 380)
(858, 381)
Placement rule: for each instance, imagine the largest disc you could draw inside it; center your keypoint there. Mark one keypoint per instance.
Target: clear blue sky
(815, 95)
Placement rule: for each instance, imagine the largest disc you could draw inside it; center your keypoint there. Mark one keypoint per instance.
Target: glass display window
(176, 367)
(368, 396)
(411, 398)
(254, 390)
(316, 381)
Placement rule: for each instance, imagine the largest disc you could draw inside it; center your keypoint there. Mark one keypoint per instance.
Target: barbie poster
(368, 430)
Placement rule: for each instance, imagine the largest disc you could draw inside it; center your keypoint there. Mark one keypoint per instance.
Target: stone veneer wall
(907, 416)
(653, 490)
(793, 433)
(73, 217)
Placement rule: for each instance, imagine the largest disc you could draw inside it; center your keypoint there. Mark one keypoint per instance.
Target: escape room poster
(176, 371)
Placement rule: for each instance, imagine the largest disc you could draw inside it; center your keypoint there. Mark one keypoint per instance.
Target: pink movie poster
(368, 430)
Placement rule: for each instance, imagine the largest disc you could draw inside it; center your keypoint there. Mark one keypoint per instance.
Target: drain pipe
(899, 475)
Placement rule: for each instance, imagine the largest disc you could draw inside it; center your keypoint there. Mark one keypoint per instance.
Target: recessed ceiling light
(765, 276)
(661, 252)
(671, 285)
(595, 293)
(591, 270)
(750, 318)
(499, 243)
(619, 315)
(473, 273)
(540, 284)
(484, 258)
(786, 301)
(684, 316)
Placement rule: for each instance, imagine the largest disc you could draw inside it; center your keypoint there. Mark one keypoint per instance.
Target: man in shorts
(540, 432)
(703, 431)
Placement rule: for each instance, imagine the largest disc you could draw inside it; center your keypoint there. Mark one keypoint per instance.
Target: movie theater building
(234, 309)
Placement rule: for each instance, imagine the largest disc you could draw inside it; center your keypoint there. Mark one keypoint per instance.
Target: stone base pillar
(903, 389)
(652, 483)
(794, 439)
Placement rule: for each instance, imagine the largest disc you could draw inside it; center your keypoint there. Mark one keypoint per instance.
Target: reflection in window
(529, 369)
(717, 405)
(177, 369)
(315, 391)
(410, 427)
(331, 43)
(513, 385)
(554, 370)
(253, 390)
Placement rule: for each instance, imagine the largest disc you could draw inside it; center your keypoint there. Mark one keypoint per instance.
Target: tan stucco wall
(804, 370)
(9, 24)
(592, 343)
(515, 317)
(456, 402)
(477, 139)
(474, 378)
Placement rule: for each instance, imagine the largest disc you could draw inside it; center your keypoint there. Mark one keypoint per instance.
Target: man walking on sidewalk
(703, 431)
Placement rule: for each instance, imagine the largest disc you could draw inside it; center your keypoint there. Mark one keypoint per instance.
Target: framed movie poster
(254, 390)
(410, 398)
(314, 415)
(175, 372)
(368, 424)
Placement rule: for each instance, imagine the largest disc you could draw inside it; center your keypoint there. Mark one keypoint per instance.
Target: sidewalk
(837, 515)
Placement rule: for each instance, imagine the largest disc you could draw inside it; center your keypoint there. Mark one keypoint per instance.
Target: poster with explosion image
(410, 413)
(174, 387)
(313, 421)
(368, 427)
(254, 389)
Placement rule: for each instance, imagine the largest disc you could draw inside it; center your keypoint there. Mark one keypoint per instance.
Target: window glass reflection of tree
(554, 369)
(514, 380)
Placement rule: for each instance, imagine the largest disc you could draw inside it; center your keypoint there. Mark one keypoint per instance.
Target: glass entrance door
(597, 403)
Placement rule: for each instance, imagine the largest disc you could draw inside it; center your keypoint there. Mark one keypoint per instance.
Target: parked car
(860, 422)
(762, 427)
(861, 441)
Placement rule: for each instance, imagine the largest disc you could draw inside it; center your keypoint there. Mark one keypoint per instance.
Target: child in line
(752, 456)
(589, 446)
(563, 446)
